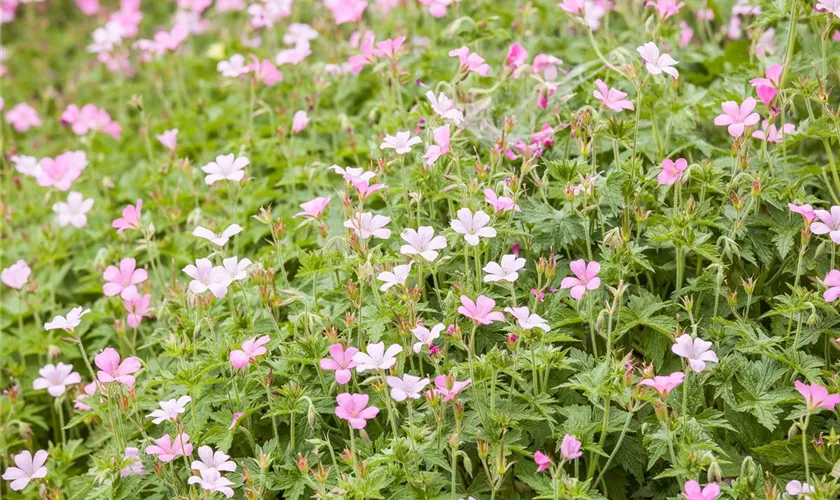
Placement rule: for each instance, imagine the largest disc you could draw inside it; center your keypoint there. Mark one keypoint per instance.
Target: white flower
(526, 320)
(206, 277)
(444, 107)
(401, 143)
(210, 460)
(422, 242)
(697, 351)
(353, 175)
(473, 226)
(796, 488)
(656, 63)
(409, 386)
(213, 482)
(397, 277)
(367, 224)
(70, 322)
(425, 336)
(169, 410)
(226, 167)
(832, 6)
(507, 271)
(236, 269)
(376, 357)
(218, 239)
(56, 378)
(233, 67)
(28, 468)
(74, 210)
(27, 165)
(106, 38)
(299, 33)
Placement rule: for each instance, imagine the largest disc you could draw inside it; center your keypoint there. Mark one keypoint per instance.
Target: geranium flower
(449, 388)
(817, 396)
(112, 370)
(665, 8)
(444, 107)
(69, 323)
(425, 336)
(672, 171)
(377, 357)
(470, 61)
(135, 467)
(570, 447)
(664, 384)
(472, 226)
(226, 167)
(797, 488)
(366, 189)
(314, 208)
(90, 118)
(437, 8)
(656, 63)
(168, 449)
(697, 351)
(547, 65)
(409, 386)
(440, 147)
(56, 378)
(516, 57)
(692, 491)
(353, 174)
(169, 410)
(138, 308)
(397, 277)
(527, 320)
(481, 311)
(766, 44)
(207, 277)
(341, 362)
(74, 211)
(218, 239)
(27, 468)
(400, 143)
(213, 460)
(806, 211)
(233, 67)
(61, 171)
(346, 11)
(211, 480)
(235, 269)
(169, 139)
(22, 117)
(737, 118)
(123, 280)
(585, 278)
(768, 132)
(251, 348)
(611, 98)
(265, 71)
(87, 390)
(507, 271)
(542, 461)
(500, 203)
(16, 275)
(829, 6)
(130, 218)
(27, 165)
(300, 121)
(422, 242)
(367, 224)
(354, 409)
(832, 281)
(828, 223)
(389, 48)
(767, 87)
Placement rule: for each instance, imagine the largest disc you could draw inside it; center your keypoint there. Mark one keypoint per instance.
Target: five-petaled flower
(696, 351)
(828, 223)
(169, 410)
(481, 311)
(736, 118)
(111, 369)
(377, 357)
(473, 226)
(585, 278)
(168, 448)
(422, 242)
(27, 467)
(354, 409)
(56, 378)
(341, 362)
(816, 396)
(251, 348)
(664, 384)
(655, 62)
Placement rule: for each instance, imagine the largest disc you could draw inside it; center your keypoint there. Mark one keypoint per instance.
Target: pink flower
(832, 281)
(516, 57)
(697, 351)
(672, 171)
(656, 63)
(367, 54)
(168, 449)
(766, 44)
(87, 390)
(171, 40)
(542, 461)
(817, 396)
(346, 11)
(830, 6)
(770, 133)
(61, 171)
(612, 98)
(737, 118)
(448, 387)
(235, 419)
(69, 322)
(570, 448)
(806, 211)
(265, 71)
(437, 8)
(481, 311)
(470, 61)
(365, 189)
(135, 466)
(766, 87)
(300, 121)
(472, 226)
(169, 139)
(527, 320)
(130, 218)
(112, 370)
(218, 460)
(400, 143)
(664, 384)
(16, 275)
(444, 107)
(665, 8)
(220, 239)
(409, 386)
(507, 271)
(422, 242)
(28, 468)
(693, 491)
(796, 488)
(353, 175)
(56, 378)
(212, 481)
(367, 224)
(547, 65)
(575, 7)
(123, 281)
(354, 409)
(585, 278)
(170, 410)
(686, 34)
(251, 348)
(90, 118)
(22, 117)
(425, 336)
(340, 362)
(441, 146)
(138, 308)
(88, 7)
(828, 223)
(500, 203)
(314, 208)
(389, 48)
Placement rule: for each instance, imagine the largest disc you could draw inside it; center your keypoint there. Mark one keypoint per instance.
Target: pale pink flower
(570, 447)
(354, 409)
(27, 468)
(22, 117)
(69, 322)
(56, 378)
(377, 357)
(585, 278)
(400, 143)
(770, 133)
(235, 269)
(211, 480)
(425, 336)
(300, 121)
(169, 139)
(209, 459)
(226, 167)
(806, 211)
(686, 34)
(293, 56)
(656, 63)
(500, 203)
(346, 11)
(481, 311)
(235, 419)
(540, 458)
(664, 384)
(798, 489)
(527, 320)
(737, 118)
(473, 226)
(130, 218)
(111, 369)
(611, 98)
(365, 189)
(507, 271)
(546, 64)
(409, 386)
(207, 277)
(88, 7)
(341, 362)
(366, 54)
(251, 348)
(574, 7)
(74, 211)
(832, 281)
(470, 61)
(265, 71)
(441, 146)
(16, 275)
(816, 396)
(218, 239)
(268, 12)
(449, 388)
(422, 242)
(397, 277)
(299, 33)
(367, 224)
(27, 165)
(828, 223)
(437, 8)
(123, 280)
(169, 410)
(692, 491)
(87, 390)
(766, 44)
(61, 171)
(516, 57)
(444, 107)
(135, 466)
(767, 87)
(138, 308)
(665, 8)
(90, 118)
(697, 351)
(672, 171)
(106, 39)
(314, 208)
(168, 449)
(829, 6)
(389, 48)
(353, 175)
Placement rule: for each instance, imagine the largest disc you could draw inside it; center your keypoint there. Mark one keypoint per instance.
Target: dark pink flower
(112, 370)
(817, 396)
(341, 362)
(354, 409)
(123, 280)
(480, 311)
(130, 218)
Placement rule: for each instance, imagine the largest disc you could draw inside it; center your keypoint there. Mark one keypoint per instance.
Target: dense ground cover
(420, 249)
